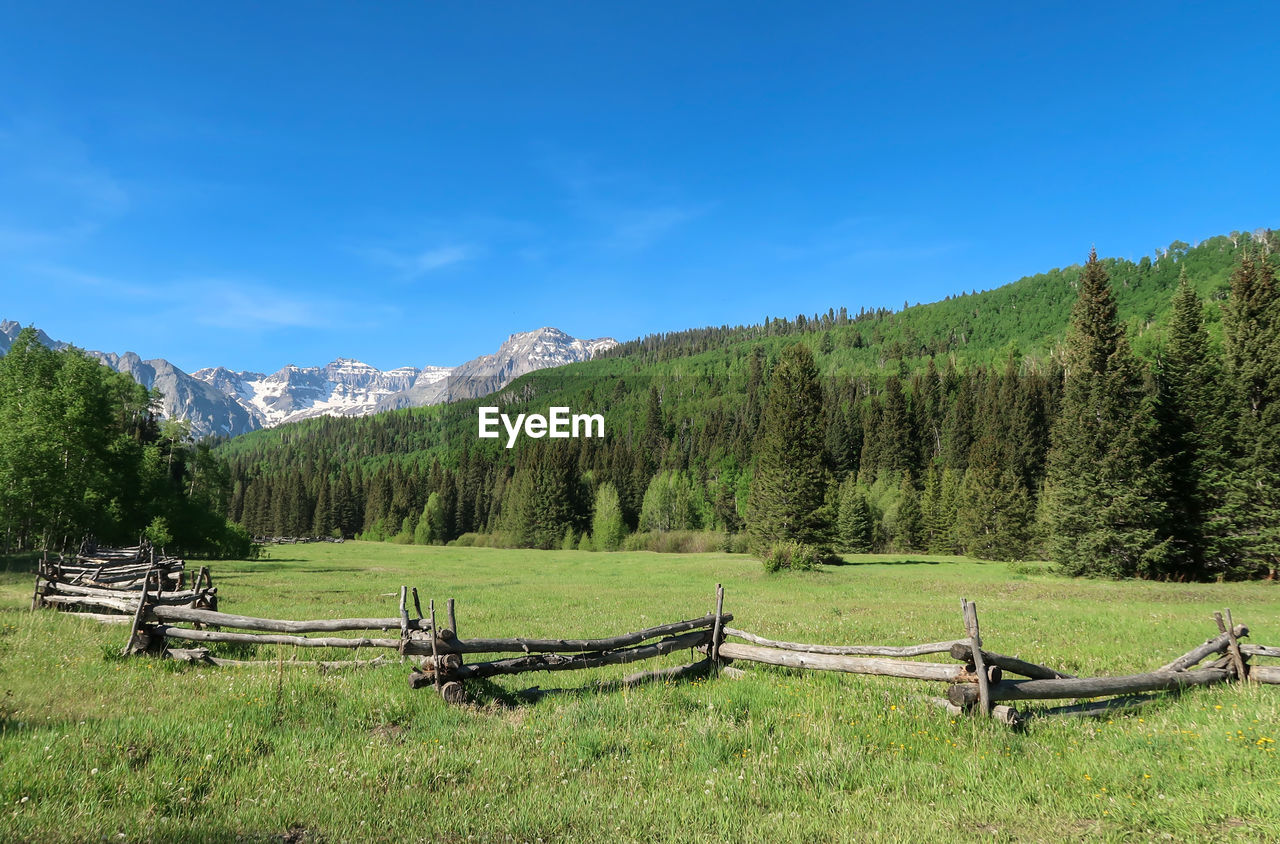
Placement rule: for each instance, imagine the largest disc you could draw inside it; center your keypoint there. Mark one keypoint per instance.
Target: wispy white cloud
(219, 302)
(89, 282)
(627, 212)
(635, 229)
(410, 265)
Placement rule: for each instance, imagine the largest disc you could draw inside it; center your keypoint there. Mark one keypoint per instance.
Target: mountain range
(219, 401)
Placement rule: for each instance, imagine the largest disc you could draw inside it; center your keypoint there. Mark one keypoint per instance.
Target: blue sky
(407, 183)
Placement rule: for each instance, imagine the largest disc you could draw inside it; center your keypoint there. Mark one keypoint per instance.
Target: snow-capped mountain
(219, 401)
(342, 388)
(520, 354)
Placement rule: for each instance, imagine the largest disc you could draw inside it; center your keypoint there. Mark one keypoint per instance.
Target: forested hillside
(937, 423)
(82, 453)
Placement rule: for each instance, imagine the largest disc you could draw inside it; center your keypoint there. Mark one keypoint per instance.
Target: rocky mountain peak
(218, 400)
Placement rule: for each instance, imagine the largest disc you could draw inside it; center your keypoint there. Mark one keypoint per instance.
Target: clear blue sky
(255, 184)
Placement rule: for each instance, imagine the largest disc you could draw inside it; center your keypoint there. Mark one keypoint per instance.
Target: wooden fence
(977, 681)
(109, 584)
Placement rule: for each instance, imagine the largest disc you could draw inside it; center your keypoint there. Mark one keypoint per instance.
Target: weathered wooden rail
(107, 584)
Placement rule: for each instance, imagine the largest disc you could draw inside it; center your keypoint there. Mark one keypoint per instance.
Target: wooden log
(118, 604)
(1098, 708)
(74, 589)
(1265, 674)
(122, 601)
(975, 643)
(35, 596)
(846, 650)
(273, 625)
(139, 640)
(453, 660)
(453, 693)
(435, 650)
(1197, 654)
(963, 652)
(404, 613)
(570, 662)
(1086, 687)
(1006, 715)
(1233, 646)
(421, 647)
(101, 618)
(716, 636)
(1259, 650)
(171, 632)
(943, 672)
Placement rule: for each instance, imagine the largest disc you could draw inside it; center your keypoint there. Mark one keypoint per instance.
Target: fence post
(435, 653)
(716, 633)
(139, 641)
(1233, 645)
(970, 611)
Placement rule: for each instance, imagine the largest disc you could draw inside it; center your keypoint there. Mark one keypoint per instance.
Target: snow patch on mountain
(218, 400)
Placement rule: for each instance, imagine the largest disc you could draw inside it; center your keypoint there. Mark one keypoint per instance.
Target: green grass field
(98, 747)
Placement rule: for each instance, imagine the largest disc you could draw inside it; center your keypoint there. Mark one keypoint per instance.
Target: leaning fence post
(716, 630)
(137, 641)
(435, 653)
(970, 611)
(1233, 645)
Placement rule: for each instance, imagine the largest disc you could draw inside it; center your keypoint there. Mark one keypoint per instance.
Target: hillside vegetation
(936, 421)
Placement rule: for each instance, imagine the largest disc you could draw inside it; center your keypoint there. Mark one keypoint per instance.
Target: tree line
(1107, 462)
(82, 453)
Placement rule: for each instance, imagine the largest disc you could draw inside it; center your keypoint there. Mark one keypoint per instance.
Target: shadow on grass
(857, 562)
(272, 564)
(484, 692)
(25, 563)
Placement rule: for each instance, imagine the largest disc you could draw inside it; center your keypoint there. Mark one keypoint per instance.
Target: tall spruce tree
(908, 527)
(1192, 424)
(789, 485)
(1103, 485)
(1250, 513)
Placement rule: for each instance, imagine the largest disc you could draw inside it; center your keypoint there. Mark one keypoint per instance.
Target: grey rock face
(219, 401)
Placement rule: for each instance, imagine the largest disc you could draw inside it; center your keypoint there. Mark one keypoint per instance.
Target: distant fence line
(109, 584)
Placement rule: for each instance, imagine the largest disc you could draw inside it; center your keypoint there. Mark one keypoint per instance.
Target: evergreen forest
(1120, 418)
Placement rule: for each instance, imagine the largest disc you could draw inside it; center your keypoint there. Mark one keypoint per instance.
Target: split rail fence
(111, 584)
(977, 681)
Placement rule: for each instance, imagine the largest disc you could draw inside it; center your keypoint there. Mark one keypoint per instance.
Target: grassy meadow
(95, 747)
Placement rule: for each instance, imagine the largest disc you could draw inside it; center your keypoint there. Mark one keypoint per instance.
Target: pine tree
(788, 488)
(908, 527)
(1190, 413)
(1251, 335)
(322, 523)
(855, 524)
(1103, 489)
(949, 498)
